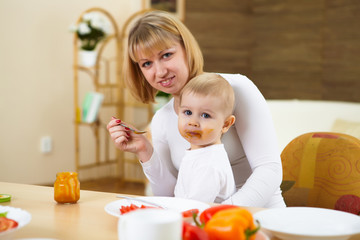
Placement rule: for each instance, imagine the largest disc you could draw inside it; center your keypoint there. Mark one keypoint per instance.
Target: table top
(86, 219)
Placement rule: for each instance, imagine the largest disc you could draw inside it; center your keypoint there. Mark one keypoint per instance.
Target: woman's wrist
(145, 154)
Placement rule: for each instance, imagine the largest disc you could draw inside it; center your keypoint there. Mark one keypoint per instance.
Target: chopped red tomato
(190, 212)
(132, 207)
(7, 223)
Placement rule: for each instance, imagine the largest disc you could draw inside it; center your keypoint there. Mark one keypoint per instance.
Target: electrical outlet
(46, 144)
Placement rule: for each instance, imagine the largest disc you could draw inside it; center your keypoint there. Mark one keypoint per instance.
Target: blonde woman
(163, 55)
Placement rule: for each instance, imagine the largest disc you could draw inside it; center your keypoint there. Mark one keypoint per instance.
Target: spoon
(135, 131)
(140, 200)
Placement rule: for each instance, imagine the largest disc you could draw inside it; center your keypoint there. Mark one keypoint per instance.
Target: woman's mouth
(167, 82)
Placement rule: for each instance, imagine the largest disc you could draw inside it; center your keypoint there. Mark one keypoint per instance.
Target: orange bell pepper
(230, 224)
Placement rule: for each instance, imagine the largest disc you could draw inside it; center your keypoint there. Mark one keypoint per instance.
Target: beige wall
(36, 91)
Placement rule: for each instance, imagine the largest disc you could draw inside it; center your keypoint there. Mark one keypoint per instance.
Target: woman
(163, 56)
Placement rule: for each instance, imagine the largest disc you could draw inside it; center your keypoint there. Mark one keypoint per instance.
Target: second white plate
(177, 204)
(21, 216)
(300, 223)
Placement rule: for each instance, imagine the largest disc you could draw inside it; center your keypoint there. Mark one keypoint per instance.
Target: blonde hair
(157, 30)
(214, 85)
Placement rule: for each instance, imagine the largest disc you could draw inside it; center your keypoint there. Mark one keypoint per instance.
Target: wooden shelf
(105, 77)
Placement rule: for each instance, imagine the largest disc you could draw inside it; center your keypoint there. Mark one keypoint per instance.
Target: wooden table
(86, 219)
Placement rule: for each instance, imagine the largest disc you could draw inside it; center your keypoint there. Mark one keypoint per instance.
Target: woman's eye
(187, 112)
(145, 64)
(167, 55)
(205, 115)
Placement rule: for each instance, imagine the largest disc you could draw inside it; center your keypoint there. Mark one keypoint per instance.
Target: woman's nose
(161, 70)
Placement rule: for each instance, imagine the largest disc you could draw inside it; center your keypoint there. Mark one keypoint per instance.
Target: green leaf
(162, 94)
(249, 232)
(3, 214)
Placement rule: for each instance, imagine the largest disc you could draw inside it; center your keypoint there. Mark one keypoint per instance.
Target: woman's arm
(161, 179)
(256, 132)
(159, 169)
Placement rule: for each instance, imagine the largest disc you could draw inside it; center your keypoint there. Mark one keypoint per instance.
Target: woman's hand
(125, 140)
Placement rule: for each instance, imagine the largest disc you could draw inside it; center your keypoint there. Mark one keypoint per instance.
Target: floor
(113, 185)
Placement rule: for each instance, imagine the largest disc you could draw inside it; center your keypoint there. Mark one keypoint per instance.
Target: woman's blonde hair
(157, 30)
(214, 85)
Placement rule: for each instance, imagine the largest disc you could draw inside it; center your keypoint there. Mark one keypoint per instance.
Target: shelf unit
(95, 154)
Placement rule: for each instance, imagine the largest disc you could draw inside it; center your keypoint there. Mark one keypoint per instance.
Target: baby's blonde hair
(214, 85)
(156, 31)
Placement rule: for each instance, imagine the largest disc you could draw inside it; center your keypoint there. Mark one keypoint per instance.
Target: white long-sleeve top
(251, 145)
(205, 175)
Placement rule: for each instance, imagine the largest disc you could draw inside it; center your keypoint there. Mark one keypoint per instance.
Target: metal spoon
(140, 200)
(135, 131)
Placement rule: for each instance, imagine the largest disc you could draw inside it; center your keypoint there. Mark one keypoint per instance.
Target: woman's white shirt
(251, 145)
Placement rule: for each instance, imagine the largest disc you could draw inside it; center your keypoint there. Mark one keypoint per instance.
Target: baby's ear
(229, 121)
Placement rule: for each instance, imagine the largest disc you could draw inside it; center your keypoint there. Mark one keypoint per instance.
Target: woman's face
(166, 70)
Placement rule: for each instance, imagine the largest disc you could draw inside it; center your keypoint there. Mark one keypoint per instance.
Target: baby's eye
(205, 115)
(187, 112)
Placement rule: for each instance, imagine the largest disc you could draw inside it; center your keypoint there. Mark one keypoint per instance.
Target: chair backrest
(324, 167)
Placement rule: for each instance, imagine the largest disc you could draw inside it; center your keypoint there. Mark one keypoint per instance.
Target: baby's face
(201, 119)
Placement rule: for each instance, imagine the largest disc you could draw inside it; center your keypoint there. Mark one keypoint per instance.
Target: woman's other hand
(125, 140)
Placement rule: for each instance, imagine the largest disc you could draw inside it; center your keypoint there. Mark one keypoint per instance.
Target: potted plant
(91, 30)
(161, 99)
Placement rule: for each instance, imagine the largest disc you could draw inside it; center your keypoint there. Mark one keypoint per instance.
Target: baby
(205, 113)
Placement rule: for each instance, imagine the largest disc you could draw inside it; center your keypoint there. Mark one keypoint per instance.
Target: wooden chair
(322, 166)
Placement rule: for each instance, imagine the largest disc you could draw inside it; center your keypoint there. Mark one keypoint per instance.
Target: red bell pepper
(191, 232)
(207, 214)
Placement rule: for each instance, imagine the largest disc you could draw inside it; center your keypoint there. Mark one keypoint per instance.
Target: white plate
(306, 223)
(261, 236)
(21, 216)
(177, 204)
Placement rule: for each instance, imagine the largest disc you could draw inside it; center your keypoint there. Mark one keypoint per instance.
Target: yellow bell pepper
(231, 224)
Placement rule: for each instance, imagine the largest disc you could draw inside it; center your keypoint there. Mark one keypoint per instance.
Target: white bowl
(307, 223)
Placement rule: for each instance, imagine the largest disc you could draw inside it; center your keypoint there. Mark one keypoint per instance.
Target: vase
(87, 58)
